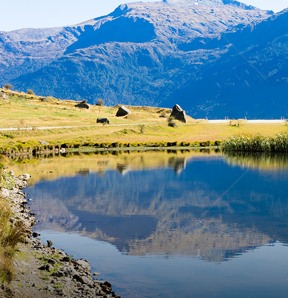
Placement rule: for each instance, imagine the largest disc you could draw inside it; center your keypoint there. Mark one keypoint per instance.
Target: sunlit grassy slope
(22, 110)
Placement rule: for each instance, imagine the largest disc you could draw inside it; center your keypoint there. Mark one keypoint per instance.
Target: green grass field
(144, 124)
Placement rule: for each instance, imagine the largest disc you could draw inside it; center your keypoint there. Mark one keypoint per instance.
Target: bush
(30, 92)
(184, 144)
(171, 144)
(8, 86)
(88, 143)
(65, 145)
(171, 122)
(77, 145)
(141, 128)
(100, 102)
(7, 136)
(115, 145)
(104, 145)
(20, 147)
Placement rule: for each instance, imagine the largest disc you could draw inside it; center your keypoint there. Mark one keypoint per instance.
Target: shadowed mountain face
(159, 53)
(249, 79)
(120, 30)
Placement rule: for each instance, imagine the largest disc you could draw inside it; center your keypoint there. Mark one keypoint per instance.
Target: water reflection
(262, 161)
(181, 204)
(76, 163)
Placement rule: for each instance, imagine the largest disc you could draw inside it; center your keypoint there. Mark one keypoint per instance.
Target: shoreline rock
(45, 271)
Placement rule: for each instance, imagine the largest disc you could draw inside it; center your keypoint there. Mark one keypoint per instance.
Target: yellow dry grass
(20, 112)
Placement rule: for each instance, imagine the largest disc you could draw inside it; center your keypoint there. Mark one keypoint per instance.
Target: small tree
(30, 92)
(100, 102)
(141, 128)
(8, 86)
(171, 121)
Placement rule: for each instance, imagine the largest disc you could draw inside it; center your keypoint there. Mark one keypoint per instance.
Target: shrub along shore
(241, 143)
(32, 148)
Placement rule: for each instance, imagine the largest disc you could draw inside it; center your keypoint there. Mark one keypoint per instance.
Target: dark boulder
(35, 234)
(58, 274)
(49, 243)
(82, 105)
(179, 114)
(46, 267)
(103, 120)
(122, 111)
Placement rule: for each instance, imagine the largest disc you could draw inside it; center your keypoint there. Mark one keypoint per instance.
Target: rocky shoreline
(41, 270)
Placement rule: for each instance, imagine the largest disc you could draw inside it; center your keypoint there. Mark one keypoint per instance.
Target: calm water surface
(188, 226)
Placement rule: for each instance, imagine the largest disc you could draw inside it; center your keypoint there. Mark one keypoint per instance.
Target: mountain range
(215, 58)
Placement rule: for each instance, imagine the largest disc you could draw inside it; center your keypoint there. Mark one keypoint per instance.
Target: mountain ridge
(108, 58)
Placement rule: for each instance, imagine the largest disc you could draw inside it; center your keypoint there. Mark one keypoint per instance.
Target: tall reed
(10, 236)
(256, 143)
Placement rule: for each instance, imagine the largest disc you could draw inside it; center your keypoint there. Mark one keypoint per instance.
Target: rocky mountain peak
(210, 3)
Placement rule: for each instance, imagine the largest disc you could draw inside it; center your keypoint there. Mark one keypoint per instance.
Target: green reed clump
(10, 234)
(256, 143)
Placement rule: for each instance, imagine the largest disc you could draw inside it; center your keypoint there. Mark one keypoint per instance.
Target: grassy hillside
(145, 124)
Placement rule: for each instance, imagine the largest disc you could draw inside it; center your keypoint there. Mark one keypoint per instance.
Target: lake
(169, 224)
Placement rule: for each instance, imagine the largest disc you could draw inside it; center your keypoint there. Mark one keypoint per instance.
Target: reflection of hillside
(59, 166)
(156, 223)
(212, 244)
(55, 216)
(207, 238)
(262, 161)
(159, 212)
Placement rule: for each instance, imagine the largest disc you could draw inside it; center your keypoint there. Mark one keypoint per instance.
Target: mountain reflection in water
(196, 206)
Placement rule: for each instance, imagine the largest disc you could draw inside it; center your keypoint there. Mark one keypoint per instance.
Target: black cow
(103, 120)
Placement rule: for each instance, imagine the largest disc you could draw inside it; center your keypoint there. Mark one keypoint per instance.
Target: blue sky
(17, 14)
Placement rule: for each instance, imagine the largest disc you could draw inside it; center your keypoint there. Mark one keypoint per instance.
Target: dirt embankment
(40, 269)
